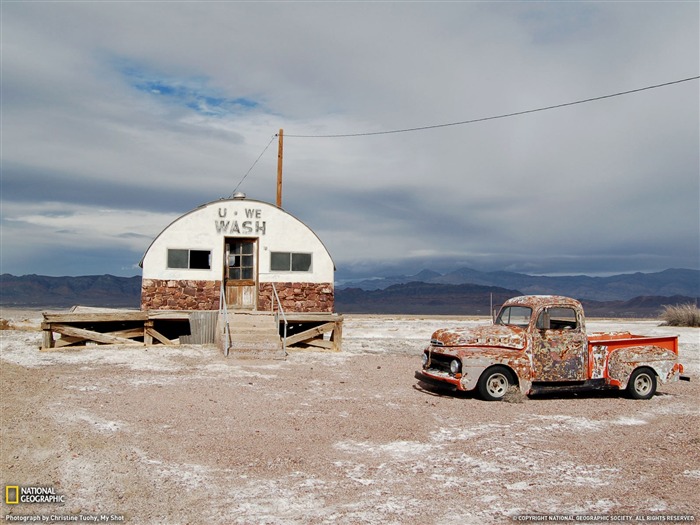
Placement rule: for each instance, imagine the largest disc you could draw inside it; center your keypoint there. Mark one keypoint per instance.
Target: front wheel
(493, 384)
(642, 384)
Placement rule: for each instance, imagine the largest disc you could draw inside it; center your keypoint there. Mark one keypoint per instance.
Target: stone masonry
(159, 294)
(163, 294)
(298, 297)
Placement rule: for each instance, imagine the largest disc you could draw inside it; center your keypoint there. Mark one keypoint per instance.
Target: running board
(568, 386)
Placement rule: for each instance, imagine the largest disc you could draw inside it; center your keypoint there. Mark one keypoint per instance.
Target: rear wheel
(493, 384)
(642, 384)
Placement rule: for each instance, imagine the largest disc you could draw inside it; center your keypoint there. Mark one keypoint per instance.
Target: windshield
(515, 315)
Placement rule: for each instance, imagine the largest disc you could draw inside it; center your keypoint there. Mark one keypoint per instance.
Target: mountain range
(40, 291)
(614, 288)
(462, 292)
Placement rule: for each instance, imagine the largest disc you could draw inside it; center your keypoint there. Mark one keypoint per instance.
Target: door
(560, 350)
(241, 274)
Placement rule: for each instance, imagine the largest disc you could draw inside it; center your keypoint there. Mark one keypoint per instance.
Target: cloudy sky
(118, 117)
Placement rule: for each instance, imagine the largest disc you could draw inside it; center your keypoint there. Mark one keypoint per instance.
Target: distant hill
(416, 297)
(57, 292)
(643, 306)
(614, 288)
(471, 299)
(422, 298)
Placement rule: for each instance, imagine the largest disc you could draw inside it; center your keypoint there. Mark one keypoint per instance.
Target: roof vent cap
(239, 195)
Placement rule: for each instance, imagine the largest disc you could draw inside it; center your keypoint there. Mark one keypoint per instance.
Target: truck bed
(615, 340)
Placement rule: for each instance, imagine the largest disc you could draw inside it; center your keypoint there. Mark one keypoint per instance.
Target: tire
(642, 384)
(494, 382)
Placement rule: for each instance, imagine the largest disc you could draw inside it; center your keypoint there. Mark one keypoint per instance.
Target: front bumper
(450, 383)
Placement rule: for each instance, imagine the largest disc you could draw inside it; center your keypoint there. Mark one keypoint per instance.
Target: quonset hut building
(246, 245)
(249, 259)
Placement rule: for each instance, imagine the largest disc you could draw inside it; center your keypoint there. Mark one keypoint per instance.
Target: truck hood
(484, 336)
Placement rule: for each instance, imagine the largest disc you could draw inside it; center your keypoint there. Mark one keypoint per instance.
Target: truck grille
(440, 363)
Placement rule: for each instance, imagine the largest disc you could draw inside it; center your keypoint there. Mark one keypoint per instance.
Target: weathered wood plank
(67, 340)
(129, 333)
(160, 337)
(337, 336)
(47, 338)
(320, 343)
(294, 317)
(95, 317)
(90, 335)
(169, 314)
(147, 337)
(310, 334)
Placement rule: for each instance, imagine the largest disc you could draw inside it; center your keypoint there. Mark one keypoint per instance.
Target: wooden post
(279, 168)
(337, 336)
(47, 340)
(147, 337)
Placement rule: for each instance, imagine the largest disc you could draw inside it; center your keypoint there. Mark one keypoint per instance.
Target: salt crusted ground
(183, 435)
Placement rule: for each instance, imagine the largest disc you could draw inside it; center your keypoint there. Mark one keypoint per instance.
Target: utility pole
(279, 168)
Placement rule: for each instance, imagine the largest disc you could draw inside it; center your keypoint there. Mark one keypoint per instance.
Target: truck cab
(540, 344)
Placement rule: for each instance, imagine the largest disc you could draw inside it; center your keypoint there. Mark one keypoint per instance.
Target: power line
(254, 163)
(463, 122)
(422, 128)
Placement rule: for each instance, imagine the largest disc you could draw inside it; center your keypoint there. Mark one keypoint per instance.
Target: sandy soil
(184, 435)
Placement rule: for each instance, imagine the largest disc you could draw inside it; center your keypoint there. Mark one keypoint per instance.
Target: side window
(178, 258)
(557, 318)
(189, 259)
(200, 259)
(290, 262)
(515, 315)
(280, 261)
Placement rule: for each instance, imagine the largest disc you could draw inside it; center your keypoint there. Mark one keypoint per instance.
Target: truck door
(560, 349)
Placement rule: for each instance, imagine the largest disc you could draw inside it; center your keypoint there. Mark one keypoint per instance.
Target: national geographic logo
(14, 494)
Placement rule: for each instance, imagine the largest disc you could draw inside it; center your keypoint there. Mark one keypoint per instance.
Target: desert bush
(681, 315)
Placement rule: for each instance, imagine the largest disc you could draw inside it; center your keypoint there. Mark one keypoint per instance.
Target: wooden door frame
(255, 282)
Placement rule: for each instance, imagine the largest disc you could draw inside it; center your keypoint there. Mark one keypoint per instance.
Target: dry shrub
(5, 324)
(681, 315)
(514, 395)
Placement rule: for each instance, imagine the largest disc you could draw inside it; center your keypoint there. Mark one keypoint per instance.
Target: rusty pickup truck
(539, 344)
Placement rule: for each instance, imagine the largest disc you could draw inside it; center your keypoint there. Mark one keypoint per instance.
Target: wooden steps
(254, 334)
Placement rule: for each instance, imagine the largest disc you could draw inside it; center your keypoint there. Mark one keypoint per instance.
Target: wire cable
(484, 119)
(254, 163)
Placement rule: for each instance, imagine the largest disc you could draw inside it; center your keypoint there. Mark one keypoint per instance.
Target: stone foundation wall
(158, 294)
(298, 297)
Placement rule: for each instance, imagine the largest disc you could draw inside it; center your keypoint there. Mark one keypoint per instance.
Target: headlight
(455, 366)
(425, 358)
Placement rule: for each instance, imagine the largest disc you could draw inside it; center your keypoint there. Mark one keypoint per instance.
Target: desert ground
(184, 435)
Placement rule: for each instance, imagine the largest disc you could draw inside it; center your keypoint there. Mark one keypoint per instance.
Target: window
(189, 259)
(515, 315)
(241, 260)
(557, 318)
(290, 262)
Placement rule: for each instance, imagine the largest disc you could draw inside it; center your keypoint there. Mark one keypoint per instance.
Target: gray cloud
(139, 112)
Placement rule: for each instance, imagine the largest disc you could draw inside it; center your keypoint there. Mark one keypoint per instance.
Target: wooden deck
(321, 331)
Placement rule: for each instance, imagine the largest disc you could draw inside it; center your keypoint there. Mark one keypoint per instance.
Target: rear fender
(622, 362)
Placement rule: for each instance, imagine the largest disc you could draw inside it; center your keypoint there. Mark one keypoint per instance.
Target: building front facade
(246, 247)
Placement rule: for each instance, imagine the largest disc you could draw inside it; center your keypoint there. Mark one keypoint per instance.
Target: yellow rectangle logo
(8, 499)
